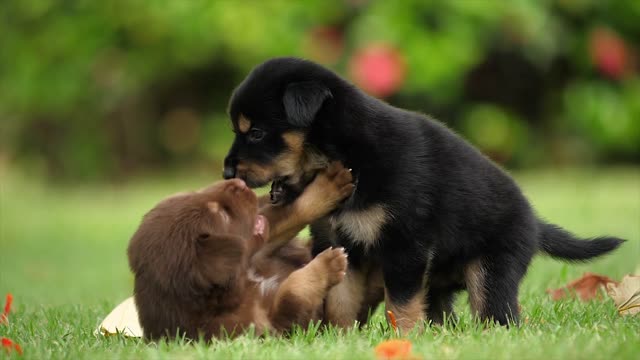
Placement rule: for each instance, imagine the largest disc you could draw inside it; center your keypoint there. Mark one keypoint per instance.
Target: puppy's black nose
(229, 172)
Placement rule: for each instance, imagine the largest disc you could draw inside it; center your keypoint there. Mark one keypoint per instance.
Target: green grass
(62, 255)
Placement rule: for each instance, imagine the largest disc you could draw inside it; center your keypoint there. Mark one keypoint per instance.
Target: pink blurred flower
(609, 53)
(379, 69)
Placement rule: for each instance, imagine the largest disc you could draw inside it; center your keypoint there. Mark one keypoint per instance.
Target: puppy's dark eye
(202, 238)
(255, 135)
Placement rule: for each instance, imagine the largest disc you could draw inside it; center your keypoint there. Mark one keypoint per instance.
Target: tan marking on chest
(363, 226)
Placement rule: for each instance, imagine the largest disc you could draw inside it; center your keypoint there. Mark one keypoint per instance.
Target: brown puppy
(202, 267)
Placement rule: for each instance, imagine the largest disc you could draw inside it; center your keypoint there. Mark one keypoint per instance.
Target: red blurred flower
(324, 44)
(7, 308)
(378, 68)
(9, 346)
(609, 53)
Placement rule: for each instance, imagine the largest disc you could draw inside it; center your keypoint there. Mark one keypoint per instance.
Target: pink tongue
(258, 228)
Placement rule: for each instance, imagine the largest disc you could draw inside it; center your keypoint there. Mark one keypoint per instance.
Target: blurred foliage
(95, 89)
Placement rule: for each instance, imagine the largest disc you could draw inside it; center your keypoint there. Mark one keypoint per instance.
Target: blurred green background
(101, 90)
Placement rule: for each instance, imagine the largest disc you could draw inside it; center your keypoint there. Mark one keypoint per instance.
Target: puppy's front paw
(340, 181)
(334, 261)
(326, 191)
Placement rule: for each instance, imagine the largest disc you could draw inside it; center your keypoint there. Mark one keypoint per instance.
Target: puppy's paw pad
(334, 168)
(335, 262)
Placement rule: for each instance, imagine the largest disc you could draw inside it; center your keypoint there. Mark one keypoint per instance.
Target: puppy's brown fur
(201, 269)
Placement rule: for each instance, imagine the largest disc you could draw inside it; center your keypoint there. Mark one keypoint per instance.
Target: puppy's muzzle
(229, 171)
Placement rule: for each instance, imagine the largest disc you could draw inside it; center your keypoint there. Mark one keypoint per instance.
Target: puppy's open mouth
(278, 191)
(284, 192)
(260, 226)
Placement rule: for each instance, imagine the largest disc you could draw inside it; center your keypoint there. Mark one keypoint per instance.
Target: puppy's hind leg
(404, 287)
(300, 297)
(439, 303)
(492, 284)
(345, 301)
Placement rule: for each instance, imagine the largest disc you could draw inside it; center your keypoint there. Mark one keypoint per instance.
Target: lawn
(62, 256)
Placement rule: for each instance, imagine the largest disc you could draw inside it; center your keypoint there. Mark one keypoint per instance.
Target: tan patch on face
(288, 165)
(362, 226)
(290, 162)
(298, 160)
(243, 124)
(257, 172)
(409, 314)
(474, 275)
(294, 141)
(345, 300)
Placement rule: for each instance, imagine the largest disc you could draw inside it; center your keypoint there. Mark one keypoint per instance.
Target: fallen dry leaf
(587, 287)
(122, 320)
(396, 349)
(626, 294)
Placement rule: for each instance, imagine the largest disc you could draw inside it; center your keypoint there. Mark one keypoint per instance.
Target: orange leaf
(393, 349)
(392, 320)
(587, 287)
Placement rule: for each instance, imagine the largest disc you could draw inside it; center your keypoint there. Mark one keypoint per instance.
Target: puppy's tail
(561, 244)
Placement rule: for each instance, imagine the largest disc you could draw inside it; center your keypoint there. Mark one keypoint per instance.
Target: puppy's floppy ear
(303, 100)
(220, 257)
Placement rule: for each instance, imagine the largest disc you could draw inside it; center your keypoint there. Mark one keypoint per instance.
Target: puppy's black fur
(426, 203)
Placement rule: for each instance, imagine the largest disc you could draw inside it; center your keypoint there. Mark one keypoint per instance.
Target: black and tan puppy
(429, 212)
(205, 264)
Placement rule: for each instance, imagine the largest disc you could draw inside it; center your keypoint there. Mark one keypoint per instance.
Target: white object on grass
(122, 320)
